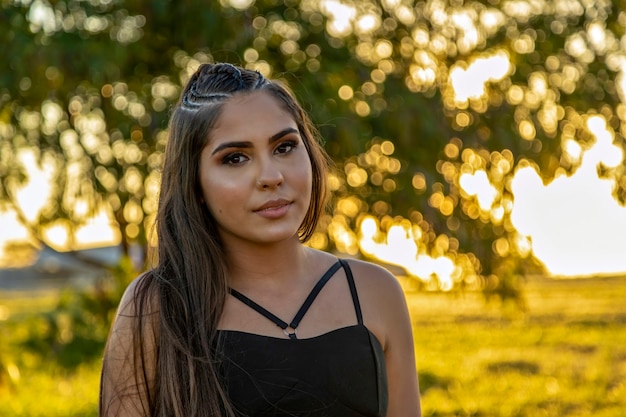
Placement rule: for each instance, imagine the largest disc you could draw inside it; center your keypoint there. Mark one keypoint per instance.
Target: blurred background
(479, 151)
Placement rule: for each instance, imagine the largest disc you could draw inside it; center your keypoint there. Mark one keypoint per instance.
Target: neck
(276, 264)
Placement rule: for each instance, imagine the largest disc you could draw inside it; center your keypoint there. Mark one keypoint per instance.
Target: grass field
(565, 356)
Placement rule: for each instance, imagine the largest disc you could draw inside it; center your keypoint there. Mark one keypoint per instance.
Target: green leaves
(91, 83)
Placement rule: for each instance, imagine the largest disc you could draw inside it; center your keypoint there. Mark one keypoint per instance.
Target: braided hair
(214, 82)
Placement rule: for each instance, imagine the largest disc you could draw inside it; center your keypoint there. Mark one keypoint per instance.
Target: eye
(234, 158)
(286, 146)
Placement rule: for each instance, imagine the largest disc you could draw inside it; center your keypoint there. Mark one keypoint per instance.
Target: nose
(270, 176)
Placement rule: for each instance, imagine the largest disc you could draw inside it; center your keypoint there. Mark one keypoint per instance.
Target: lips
(274, 209)
(273, 205)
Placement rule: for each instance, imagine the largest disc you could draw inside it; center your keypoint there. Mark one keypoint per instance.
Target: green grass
(566, 356)
(31, 383)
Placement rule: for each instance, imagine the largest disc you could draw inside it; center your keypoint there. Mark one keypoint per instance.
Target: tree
(429, 108)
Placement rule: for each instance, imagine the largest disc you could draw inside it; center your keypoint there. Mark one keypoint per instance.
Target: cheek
(220, 195)
(210, 191)
(308, 174)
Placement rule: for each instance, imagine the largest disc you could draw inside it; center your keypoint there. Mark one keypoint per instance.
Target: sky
(576, 225)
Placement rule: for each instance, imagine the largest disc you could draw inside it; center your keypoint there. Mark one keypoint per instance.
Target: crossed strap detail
(308, 302)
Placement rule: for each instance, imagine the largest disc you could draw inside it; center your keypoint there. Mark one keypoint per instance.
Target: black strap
(316, 290)
(355, 296)
(258, 308)
(305, 306)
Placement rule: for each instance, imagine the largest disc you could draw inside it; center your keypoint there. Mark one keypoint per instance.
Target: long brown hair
(189, 283)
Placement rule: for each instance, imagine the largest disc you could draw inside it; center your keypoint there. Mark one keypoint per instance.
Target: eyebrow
(245, 144)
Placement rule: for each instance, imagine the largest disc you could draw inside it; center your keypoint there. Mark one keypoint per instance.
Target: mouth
(273, 205)
(274, 209)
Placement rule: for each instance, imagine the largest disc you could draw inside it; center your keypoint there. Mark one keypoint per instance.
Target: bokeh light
(478, 57)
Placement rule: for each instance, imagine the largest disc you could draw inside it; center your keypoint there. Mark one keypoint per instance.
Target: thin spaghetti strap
(316, 290)
(355, 296)
(280, 323)
(303, 309)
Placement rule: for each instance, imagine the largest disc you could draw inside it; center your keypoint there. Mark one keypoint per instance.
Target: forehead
(257, 113)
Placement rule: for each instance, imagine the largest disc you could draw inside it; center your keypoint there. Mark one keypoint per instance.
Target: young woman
(239, 318)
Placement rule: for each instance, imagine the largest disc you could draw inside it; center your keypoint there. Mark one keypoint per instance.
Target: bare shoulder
(375, 281)
(381, 297)
(129, 361)
(138, 298)
(386, 315)
(137, 310)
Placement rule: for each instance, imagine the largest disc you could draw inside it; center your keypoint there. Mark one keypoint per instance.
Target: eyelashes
(238, 157)
(234, 158)
(286, 146)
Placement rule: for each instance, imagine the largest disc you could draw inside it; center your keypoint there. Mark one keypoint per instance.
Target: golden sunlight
(34, 194)
(12, 229)
(237, 4)
(576, 226)
(340, 17)
(469, 80)
(57, 235)
(478, 184)
(98, 230)
(399, 246)
(32, 197)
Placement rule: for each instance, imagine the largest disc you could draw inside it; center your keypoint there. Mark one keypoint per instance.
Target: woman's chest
(339, 373)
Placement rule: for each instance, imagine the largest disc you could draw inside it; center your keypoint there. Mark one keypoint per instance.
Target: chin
(277, 236)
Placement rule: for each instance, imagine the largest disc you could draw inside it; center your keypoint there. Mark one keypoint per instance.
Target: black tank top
(340, 373)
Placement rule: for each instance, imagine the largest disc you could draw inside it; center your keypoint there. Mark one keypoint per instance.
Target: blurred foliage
(75, 330)
(39, 383)
(417, 101)
(54, 341)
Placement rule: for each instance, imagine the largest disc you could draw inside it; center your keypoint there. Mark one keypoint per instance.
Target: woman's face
(255, 172)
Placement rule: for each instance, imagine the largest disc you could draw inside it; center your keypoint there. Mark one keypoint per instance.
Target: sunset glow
(399, 246)
(33, 196)
(469, 81)
(470, 53)
(575, 224)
